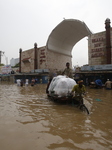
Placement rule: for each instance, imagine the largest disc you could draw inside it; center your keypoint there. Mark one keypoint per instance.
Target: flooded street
(30, 121)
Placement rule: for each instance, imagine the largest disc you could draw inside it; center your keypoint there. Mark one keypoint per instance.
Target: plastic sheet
(61, 85)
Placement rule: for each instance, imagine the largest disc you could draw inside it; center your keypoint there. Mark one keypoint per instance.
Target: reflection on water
(29, 120)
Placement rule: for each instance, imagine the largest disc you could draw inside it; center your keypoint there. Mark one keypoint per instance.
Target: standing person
(21, 83)
(68, 71)
(36, 80)
(27, 82)
(32, 82)
(108, 84)
(79, 89)
(40, 80)
(18, 82)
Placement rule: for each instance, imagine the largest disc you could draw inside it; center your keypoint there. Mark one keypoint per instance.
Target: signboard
(42, 55)
(38, 70)
(46, 70)
(97, 47)
(96, 67)
(6, 69)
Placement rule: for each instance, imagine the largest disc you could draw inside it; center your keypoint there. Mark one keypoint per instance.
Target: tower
(108, 40)
(20, 51)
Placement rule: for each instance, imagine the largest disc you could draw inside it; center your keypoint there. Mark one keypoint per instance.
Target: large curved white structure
(66, 34)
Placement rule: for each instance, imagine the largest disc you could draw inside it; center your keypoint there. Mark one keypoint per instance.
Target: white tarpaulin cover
(61, 85)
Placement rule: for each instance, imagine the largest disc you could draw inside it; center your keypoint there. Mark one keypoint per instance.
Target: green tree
(17, 65)
(2, 65)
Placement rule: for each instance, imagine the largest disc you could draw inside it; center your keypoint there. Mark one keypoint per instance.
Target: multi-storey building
(14, 61)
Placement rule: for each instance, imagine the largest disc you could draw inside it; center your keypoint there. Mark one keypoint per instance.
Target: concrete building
(14, 61)
(57, 51)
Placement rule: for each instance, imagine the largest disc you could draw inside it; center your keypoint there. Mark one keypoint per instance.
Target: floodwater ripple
(29, 120)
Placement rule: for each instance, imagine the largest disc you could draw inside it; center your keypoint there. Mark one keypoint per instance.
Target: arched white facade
(65, 35)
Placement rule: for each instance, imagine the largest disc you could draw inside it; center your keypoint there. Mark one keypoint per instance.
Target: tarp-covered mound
(61, 85)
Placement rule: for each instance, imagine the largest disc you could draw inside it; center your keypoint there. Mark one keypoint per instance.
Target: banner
(6, 69)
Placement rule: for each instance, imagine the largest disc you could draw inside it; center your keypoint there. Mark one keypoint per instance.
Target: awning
(27, 59)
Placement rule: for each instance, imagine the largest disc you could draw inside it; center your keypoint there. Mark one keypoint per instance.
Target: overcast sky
(24, 22)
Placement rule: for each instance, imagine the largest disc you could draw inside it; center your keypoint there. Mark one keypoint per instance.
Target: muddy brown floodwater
(30, 121)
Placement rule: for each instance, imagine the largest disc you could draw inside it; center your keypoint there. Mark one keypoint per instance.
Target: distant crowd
(68, 73)
(21, 82)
